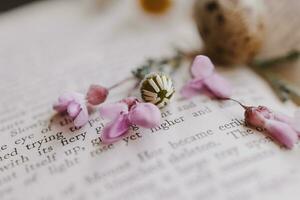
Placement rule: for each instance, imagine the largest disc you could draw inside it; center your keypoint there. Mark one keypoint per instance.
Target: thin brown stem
(245, 107)
(121, 82)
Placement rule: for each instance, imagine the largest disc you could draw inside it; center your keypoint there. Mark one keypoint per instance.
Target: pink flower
(74, 104)
(126, 113)
(281, 127)
(96, 94)
(205, 78)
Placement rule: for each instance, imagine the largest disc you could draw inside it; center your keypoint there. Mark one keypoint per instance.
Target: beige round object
(232, 30)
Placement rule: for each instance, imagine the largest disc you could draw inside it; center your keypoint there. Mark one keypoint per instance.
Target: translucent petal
(202, 67)
(145, 114)
(116, 129)
(112, 111)
(282, 132)
(218, 86)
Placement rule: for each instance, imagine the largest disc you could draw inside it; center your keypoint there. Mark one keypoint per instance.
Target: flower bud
(157, 88)
(96, 94)
(256, 116)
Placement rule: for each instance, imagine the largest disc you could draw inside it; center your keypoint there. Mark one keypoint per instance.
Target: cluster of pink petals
(75, 104)
(284, 129)
(125, 113)
(206, 79)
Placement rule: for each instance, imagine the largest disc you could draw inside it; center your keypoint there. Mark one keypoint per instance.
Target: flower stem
(121, 82)
(245, 107)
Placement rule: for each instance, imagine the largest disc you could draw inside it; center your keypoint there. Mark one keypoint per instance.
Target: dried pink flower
(74, 104)
(130, 101)
(125, 113)
(281, 127)
(96, 94)
(205, 78)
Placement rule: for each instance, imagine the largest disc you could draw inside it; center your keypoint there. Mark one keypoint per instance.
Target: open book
(201, 150)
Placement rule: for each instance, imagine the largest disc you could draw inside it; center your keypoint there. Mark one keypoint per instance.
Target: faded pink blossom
(125, 113)
(96, 94)
(74, 104)
(130, 101)
(205, 78)
(281, 127)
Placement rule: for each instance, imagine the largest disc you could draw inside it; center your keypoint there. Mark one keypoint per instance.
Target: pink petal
(116, 129)
(73, 109)
(112, 111)
(282, 132)
(188, 92)
(265, 112)
(254, 116)
(191, 88)
(282, 118)
(74, 104)
(60, 107)
(202, 67)
(62, 104)
(65, 99)
(130, 101)
(293, 122)
(145, 114)
(96, 94)
(82, 117)
(218, 86)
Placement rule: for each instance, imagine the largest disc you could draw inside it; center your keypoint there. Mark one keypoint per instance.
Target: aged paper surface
(201, 150)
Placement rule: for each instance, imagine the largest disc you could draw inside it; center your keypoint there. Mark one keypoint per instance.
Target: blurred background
(264, 34)
(10, 4)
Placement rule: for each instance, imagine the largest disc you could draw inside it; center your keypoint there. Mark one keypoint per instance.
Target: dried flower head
(157, 88)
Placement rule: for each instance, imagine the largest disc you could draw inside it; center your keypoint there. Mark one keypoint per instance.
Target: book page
(201, 149)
